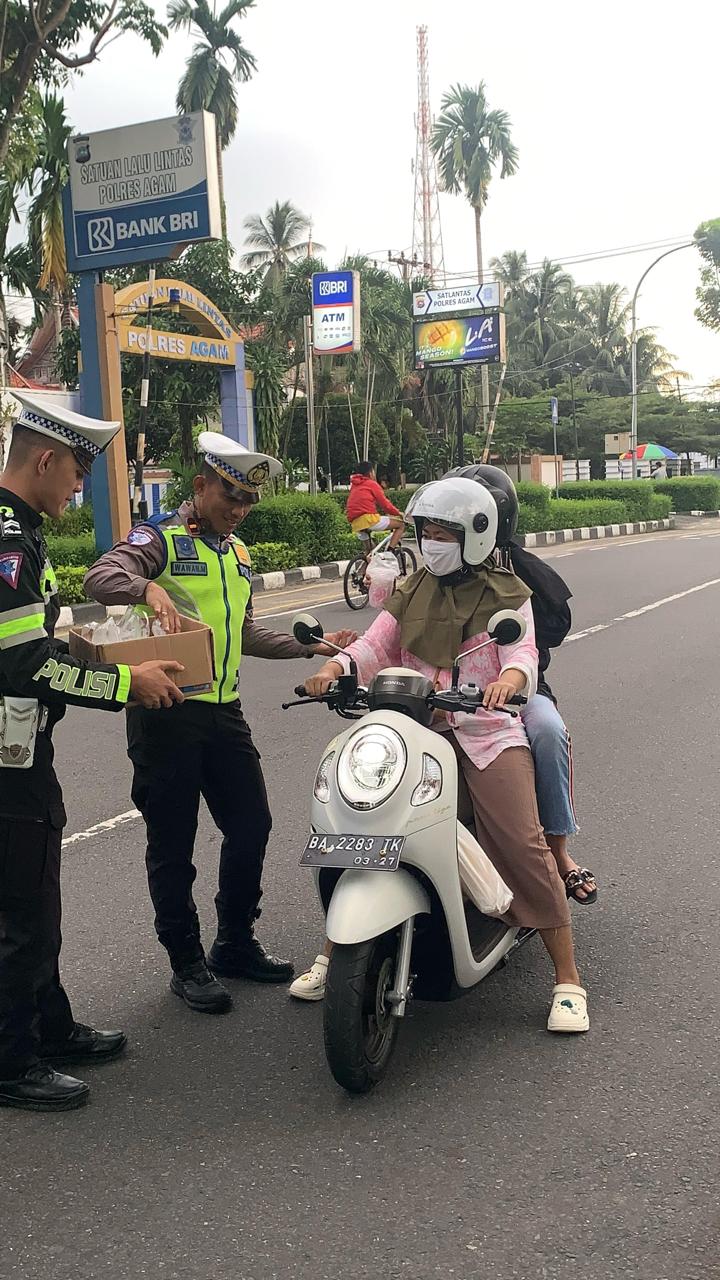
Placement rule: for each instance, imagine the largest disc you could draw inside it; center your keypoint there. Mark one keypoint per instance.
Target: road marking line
(109, 825)
(646, 608)
(122, 818)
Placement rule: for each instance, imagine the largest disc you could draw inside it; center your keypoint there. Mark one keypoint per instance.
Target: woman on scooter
(546, 730)
(440, 611)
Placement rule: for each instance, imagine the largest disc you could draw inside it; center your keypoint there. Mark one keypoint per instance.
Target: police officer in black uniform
(51, 451)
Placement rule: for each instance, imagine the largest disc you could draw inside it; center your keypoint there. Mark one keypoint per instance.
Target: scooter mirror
(307, 629)
(507, 626)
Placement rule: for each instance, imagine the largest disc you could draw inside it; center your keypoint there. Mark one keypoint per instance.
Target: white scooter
(385, 800)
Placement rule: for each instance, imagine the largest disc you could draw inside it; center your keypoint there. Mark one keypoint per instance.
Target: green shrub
(347, 546)
(66, 550)
(533, 519)
(636, 495)
(70, 583)
(311, 526)
(691, 493)
(660, 506)
(566, 513)
(76, 520)
(533, 495)
(267, 557)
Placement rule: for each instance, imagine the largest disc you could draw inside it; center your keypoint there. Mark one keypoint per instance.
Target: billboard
(336, 312)
(435, 302)
(138, 191)
(474, 339)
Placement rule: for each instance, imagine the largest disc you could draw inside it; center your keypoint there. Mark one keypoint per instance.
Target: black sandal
(576, 879)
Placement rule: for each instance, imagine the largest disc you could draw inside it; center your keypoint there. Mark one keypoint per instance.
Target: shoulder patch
(139, 537)
(242, 553)
(9, 524)
(10, 566)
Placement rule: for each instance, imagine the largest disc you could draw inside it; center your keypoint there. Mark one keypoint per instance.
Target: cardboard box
(192, 646)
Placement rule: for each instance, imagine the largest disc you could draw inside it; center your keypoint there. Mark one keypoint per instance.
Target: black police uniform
(35, 1014)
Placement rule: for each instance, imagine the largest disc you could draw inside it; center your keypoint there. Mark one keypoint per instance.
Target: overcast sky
(613, 109)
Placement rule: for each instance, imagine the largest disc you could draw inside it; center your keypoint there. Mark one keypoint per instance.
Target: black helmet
(503, 491)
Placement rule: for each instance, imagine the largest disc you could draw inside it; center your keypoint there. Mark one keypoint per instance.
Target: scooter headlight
(430, 784)
(371, 766)
(321, 789)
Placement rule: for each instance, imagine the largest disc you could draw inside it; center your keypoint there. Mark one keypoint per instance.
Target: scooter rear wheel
(360, 1031)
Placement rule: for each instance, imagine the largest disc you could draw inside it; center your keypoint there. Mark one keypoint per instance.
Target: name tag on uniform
(185, 548)
(188, 568)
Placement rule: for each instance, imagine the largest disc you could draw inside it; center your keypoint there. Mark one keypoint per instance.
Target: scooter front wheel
(360, 1030)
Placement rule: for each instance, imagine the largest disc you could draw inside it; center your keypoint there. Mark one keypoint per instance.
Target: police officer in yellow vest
(191, 562)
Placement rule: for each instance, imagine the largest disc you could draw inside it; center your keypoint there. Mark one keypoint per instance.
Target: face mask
(441, 558)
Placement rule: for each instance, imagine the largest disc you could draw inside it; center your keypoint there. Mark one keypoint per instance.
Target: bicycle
(355, 587)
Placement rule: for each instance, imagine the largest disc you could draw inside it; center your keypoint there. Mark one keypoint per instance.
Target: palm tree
(469, 140)
(45, 218)
(208, 84)
(511, 270)
(278, 240)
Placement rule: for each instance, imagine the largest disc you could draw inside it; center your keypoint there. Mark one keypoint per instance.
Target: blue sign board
(138, 192)
(336, 312)
(554, 411)
(332, 287)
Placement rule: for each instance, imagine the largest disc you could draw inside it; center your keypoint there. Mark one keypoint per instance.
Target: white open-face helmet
(463, 506)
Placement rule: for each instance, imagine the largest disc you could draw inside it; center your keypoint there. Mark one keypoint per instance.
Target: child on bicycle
(366, 501)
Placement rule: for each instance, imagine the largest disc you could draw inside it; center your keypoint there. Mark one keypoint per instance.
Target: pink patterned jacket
(484, 735)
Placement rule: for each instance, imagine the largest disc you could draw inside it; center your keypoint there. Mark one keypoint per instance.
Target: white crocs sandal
(569, 1009)
(311, 985)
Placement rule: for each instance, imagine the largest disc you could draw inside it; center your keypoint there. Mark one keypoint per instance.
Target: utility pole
(310, 403)
(690, 244)
(460, 425)
(139, 507)
(408, 266)
(577, 447)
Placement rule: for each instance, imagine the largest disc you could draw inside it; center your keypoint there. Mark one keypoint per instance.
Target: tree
(41, 42)
(277, 240)
(707, 238)
(45, 219)
(469, 140)
(269, 367)
(208, 84)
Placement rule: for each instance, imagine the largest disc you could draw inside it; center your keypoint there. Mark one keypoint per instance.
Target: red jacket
(365, 497)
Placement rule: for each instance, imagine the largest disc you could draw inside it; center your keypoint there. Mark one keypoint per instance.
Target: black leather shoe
(86, 1045)
(200, 990)
(248, 959)
(42, 1089)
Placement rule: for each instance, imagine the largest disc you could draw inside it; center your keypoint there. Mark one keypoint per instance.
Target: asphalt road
(222, 1148)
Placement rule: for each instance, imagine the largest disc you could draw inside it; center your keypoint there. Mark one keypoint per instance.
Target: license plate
(366, 853)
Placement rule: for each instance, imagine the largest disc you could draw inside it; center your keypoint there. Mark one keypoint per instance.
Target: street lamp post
(689, 244)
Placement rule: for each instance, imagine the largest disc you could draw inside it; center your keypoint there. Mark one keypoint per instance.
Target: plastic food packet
(382, 574)
(132, 626)
(479, 878)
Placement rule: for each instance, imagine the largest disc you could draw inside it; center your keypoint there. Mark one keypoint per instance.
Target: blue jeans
(552, 753)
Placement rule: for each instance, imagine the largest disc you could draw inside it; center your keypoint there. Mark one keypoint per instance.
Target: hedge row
(691, 493)
(67, 550)
(70, 583)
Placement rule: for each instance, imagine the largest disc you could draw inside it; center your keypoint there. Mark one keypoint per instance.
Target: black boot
(200, 990)
(85, 1044)
(42, 1089)
(240, 955)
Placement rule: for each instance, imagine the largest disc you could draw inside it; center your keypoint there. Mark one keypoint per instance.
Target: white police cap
(234, 463)
(87, 437)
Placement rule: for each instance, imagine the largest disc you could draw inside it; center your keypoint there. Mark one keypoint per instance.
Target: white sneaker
(311, 985)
